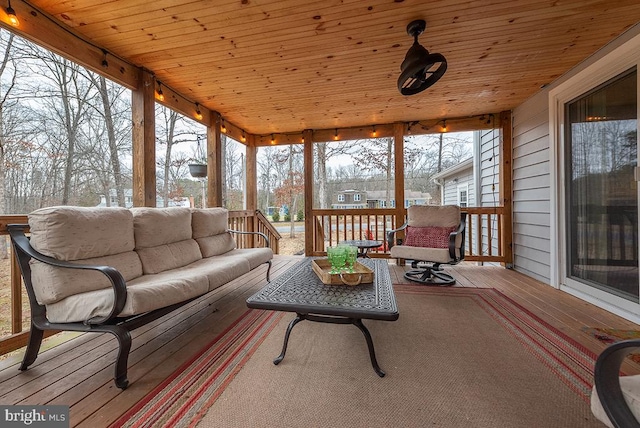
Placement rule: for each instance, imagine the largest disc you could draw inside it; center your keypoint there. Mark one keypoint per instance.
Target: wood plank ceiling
(277, 66)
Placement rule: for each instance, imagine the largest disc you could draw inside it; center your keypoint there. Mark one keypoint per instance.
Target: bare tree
(108, 95)
(377, 155)
(324, 152)
(293, 185)
(174, 129)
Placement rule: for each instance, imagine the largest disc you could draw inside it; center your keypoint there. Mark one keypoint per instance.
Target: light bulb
(12, 17)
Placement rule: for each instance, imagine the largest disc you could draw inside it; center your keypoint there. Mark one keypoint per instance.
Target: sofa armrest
(391, 234)
(267, 244)
(607, 382)
(25, 252)
(459, 232)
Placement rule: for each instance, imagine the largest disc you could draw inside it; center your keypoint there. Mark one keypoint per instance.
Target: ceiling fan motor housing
(420, 69)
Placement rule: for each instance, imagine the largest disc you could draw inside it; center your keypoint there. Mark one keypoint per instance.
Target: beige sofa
(114, 269)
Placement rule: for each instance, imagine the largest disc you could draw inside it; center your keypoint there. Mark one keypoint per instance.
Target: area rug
(457, 357)
(613, 335)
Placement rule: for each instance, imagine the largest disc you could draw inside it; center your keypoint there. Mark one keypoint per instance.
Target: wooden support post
(506, 186)
(251, 187)
(307, 134)
(144, 142)
(214, 162)
(398, 136)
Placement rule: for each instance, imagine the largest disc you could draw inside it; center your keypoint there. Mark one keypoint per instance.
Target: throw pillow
(428, 237)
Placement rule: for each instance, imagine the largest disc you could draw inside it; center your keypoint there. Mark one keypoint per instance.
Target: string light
(243, 138)
(160, 95)
(335, 136)
(444, 126)
(198, 112)
(105, 63)
(223, 128)
(11, 15)
(374, 133)
(273, 140)
(302, 139)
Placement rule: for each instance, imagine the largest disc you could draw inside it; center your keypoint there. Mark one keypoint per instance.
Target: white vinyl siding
(489, 172)
(532, 192)
(531, 188)
(464, 178)
(489, 168)
(451, 188)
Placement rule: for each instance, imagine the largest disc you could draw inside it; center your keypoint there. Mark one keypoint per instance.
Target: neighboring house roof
(408, 194)
(455, 169)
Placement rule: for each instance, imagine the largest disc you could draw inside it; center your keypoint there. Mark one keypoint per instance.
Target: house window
(356, 197)
(593, 128)
(601, 156)
(341, 197)
(463, 195)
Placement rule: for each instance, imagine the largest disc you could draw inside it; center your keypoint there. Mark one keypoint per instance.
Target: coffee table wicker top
(300, 290)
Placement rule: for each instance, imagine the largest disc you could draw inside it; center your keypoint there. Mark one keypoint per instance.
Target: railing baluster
(489, 234)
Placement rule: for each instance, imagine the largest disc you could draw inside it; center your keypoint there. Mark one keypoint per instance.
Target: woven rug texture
(457, 357)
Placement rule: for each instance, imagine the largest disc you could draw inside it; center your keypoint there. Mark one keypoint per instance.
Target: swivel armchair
(434, 235)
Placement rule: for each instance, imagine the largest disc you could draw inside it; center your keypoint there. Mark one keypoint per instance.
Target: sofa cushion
(145, 293)
(215, 245)
(209, 221)
(51, 283)
(74, 233)
(160, 226)
(169, 256)
(210, 231)
(219, 270)
(255, 256)
(164, 238)
(97, 236)
(630, 386)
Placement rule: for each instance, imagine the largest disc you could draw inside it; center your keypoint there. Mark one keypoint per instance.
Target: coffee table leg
(293, 322)
(372, 352)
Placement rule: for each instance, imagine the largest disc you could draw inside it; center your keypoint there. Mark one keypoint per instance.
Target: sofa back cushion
(98, 236)
(163, 238)
(210, 227)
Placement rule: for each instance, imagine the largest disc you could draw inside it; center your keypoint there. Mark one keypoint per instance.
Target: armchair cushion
(630, 386)
(428, 237)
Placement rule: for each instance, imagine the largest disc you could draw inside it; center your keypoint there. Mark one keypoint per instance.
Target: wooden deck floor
(79, 372)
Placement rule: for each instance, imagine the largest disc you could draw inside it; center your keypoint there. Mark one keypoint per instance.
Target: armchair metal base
(429, 275)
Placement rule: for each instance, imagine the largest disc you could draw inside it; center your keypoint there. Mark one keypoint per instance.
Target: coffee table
(300, 290)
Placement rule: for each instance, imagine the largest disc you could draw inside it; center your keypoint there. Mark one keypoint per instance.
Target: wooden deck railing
(253, 221)
(246, 221)
(484, 231)
(332, 227)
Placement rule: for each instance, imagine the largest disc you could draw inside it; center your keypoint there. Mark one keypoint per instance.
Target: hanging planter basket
(198, 170)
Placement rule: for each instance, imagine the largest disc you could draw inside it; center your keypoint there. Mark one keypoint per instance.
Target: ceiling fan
(420, 69)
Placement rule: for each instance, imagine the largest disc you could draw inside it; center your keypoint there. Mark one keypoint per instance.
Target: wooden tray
(361, 274)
